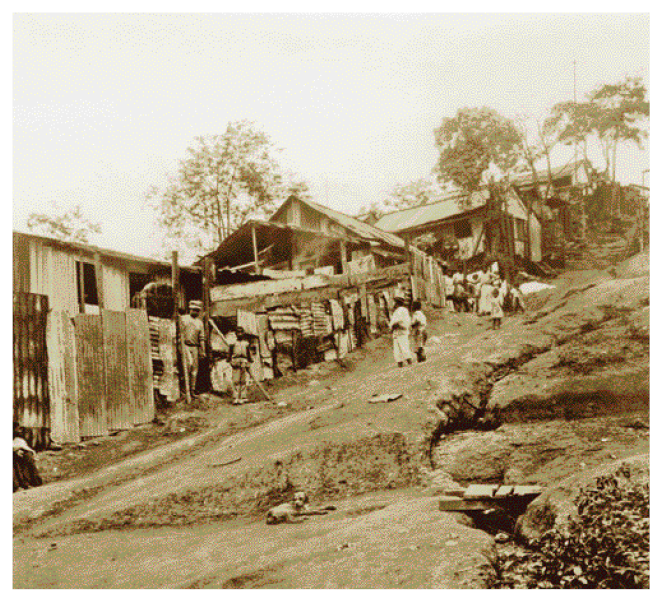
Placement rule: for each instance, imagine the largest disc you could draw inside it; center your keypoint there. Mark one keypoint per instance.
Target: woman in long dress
(485, 300)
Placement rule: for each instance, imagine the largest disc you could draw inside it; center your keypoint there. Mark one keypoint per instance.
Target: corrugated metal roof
(415, 217)
(104, 252)
(526, 179)
(351, 223)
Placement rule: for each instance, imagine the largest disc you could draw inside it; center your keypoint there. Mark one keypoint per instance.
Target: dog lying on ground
(296, 511)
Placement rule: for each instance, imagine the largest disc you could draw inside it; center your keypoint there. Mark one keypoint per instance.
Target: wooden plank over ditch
(60, 342)
(119, 410)
(140, 365)
(90, 367)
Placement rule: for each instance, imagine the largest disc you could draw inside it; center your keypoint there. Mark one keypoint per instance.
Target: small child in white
(496, 309)
(419, 325)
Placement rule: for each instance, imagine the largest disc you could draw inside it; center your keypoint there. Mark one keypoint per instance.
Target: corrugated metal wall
(49, 270)
(140, 365)
(31, 404)
(119, 406)
(62, 381)
(100, 373)
(115, 288)
(91, 375)
(53, 273)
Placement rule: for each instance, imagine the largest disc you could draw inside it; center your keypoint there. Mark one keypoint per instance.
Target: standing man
(400, 324)
(193, 337)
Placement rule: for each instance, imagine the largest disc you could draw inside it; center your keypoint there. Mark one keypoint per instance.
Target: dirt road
(204, 497)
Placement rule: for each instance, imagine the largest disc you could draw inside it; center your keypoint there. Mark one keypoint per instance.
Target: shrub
(607, 545)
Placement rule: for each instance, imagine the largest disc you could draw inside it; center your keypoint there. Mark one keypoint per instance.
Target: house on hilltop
(305, 237)
(458, 227)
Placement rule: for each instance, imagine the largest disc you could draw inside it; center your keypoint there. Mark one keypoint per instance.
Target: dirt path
(383, 540)
(205, 496)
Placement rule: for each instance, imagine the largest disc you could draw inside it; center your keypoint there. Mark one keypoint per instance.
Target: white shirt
(400, 318)
(419, 318)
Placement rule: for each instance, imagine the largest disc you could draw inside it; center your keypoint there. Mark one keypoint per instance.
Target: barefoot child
(419, 325)
(497, 309)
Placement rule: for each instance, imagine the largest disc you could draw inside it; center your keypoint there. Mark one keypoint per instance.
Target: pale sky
(105, 105)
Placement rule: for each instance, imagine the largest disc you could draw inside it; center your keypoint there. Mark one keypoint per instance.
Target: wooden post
(98, 271)
(175, 285)
(343, 256)
(255, 251)
(81, 285)
(407, 253)
(206, 284)
(179, 341)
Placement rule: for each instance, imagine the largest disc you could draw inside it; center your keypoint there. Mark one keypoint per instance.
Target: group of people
(403, 323)
(485, 293)
(239, 353)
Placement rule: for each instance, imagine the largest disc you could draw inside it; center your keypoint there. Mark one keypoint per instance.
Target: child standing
(496, 309)
(399, 325)
(419, 325)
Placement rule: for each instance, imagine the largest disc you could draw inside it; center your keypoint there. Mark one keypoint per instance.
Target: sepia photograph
(331, 300)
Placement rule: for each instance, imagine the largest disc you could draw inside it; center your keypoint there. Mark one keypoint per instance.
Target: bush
(606, 546)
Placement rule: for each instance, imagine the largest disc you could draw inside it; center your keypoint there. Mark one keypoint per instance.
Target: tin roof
(525, 179)
(88, 248)
(414, 217)
(361, 229)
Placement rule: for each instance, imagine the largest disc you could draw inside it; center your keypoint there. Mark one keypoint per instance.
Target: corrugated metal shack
(82, 361)
(456, 228)
(311, 284)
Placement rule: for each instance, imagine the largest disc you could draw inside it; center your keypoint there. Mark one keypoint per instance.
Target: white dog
(296, 511)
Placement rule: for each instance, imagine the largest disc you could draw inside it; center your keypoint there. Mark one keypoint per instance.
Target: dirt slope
(571, 377)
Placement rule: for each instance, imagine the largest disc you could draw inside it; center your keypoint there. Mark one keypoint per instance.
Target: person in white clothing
(400, 324)
(419, 326)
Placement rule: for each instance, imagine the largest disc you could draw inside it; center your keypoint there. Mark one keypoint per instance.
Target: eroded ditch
(384, 461)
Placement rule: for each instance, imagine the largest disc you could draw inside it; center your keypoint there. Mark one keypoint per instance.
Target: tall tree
(620, 110)
(475, 140)
(611, 115)
(223, 180)
(70, 226)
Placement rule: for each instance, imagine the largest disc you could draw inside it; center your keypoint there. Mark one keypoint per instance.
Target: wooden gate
(31, 404)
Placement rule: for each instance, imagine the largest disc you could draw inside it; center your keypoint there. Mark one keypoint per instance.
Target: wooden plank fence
(119, 403)
(31, 403)
(62, 381)
(140, 366)
(90, 366)
(100, 373)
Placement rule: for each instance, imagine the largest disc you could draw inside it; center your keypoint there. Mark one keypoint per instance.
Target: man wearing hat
(193, 337)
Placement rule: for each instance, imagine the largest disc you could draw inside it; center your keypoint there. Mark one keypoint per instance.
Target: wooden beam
(206, 285)
(98, 271)
(175, 284)
(81, 286)
(343, 256)
(256, 254)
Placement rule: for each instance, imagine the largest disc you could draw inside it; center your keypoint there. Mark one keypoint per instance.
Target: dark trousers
(25, 474)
